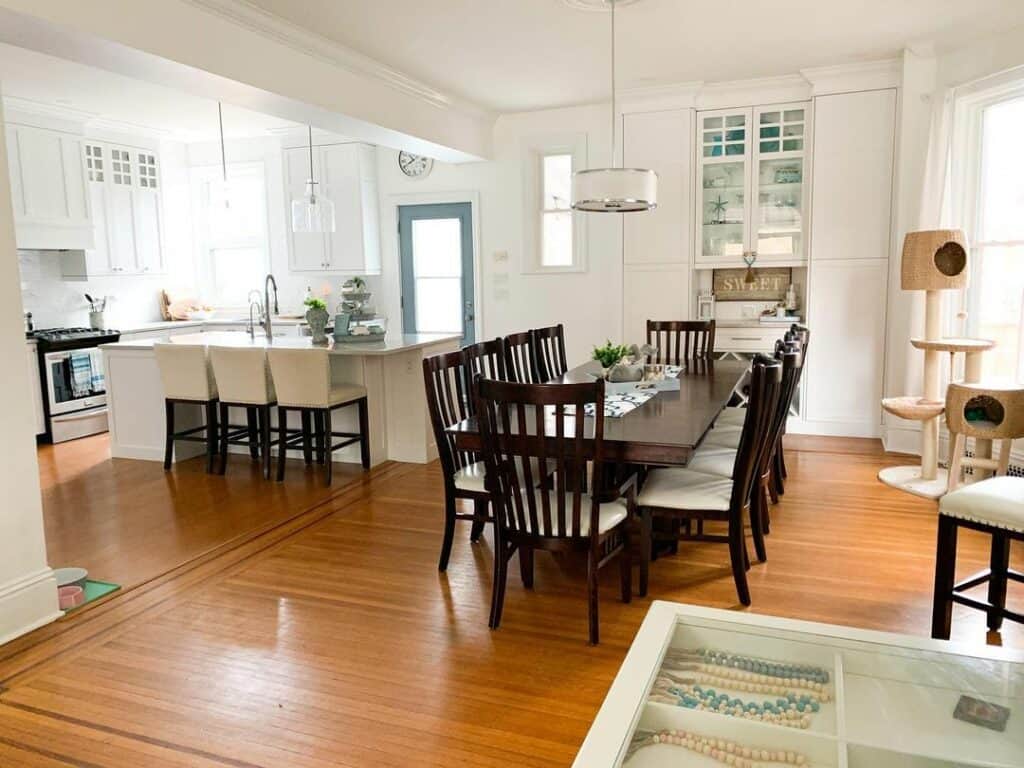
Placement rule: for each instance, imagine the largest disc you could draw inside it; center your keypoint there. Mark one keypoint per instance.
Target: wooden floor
(333, 641)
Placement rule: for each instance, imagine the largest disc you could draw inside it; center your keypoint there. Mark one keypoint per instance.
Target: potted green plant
(317, 317)
(609, 354)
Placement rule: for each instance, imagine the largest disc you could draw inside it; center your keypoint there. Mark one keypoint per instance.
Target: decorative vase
(96, 320)
(317, 319)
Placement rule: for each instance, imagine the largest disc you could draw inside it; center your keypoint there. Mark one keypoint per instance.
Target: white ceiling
(512, 55)
(119, 102)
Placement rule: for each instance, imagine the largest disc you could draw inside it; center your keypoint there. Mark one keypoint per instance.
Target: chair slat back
(765, 382)
(486, 358)
(527, 429)
(449, 401)
(521, 358)
(549, 347)
(681, 341)
(791, 358)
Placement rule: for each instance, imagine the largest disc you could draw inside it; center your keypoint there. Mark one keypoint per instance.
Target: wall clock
(414, 166)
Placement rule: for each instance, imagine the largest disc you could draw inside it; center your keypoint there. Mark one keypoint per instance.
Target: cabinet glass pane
(787, 125)
(722, 209)
(780, 208)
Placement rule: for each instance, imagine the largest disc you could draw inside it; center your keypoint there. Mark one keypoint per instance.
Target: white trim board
(28, 602)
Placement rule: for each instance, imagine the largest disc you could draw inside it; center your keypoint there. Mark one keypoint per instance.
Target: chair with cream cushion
(995, 507)
(188, 378)
(679, 493)
(557, 515)
(243, 381)
(304, 383)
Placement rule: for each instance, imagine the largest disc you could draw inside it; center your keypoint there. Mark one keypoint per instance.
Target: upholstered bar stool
(243, 381)
(996, 507)
(187, 378)
(302, 379)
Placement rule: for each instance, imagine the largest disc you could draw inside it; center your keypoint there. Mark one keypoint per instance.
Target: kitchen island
(391, 370)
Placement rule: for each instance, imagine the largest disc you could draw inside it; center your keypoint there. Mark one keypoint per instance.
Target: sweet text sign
(769, 284)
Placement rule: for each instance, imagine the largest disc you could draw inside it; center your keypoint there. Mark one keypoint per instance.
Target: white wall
(28, 590)
(588, 304)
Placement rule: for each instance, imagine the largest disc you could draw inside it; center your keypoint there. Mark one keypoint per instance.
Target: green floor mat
(94, 590)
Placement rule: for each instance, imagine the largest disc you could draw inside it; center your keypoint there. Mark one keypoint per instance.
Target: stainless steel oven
(73, 382)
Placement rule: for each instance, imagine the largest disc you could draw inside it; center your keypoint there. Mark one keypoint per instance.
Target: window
(233, 252)
(555, 235)
(996, 294)
(556, 214)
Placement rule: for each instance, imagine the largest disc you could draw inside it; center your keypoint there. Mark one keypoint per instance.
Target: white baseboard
(832, 428)
(27, 603)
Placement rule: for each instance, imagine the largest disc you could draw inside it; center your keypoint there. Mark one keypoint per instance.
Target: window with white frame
(556, 213)
(233, 247)
(555, 234)
(994, 217)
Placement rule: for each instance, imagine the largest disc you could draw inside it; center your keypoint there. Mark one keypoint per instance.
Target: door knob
(469, 312)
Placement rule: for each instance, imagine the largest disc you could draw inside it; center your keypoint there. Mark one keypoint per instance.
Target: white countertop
(391, 343)
(164, 325)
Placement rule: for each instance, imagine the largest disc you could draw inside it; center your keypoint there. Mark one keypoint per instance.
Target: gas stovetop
(69, 338)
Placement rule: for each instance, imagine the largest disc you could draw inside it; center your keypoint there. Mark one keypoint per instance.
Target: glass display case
(753, 197)
(705, 687)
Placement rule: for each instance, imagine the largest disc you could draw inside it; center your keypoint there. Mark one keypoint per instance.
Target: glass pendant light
(614, 190)
(312, 212)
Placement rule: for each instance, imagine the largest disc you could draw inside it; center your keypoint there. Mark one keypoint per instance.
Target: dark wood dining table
(665, 430)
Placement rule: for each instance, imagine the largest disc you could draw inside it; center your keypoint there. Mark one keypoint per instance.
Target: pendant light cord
(223, 155)
(613, 82)
(312, 181)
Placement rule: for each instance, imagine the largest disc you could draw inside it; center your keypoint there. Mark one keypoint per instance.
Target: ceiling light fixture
(614, 190)
(312, 212)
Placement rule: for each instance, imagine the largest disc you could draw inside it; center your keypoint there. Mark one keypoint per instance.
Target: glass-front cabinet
(707, 688)
(752, 165)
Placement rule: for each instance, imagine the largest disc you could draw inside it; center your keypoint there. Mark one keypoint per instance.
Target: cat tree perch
(933, 261)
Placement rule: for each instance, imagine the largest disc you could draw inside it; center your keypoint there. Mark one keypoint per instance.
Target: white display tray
(892, 704)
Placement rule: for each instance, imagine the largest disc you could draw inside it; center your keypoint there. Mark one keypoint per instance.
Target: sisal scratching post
(933, 261)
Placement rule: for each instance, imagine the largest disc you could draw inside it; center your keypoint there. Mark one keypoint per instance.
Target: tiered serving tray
(892, 697)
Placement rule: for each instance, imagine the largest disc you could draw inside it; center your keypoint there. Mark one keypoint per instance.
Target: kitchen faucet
(270, 281)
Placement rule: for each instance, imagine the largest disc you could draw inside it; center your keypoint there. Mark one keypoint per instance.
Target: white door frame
(392, 256)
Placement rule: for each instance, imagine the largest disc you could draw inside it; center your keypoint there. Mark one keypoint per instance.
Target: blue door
(436, 244)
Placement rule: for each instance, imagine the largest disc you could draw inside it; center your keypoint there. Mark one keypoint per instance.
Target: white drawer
(747, 339)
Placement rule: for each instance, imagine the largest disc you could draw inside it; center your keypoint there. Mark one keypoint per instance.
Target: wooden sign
(770, 284)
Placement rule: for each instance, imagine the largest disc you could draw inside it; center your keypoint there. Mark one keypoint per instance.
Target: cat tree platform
(913, 408)
(953, 345)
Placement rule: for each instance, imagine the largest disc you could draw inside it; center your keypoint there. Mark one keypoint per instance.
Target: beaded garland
(722, 750)
(791, 711)
(762, 666)
(750, 682)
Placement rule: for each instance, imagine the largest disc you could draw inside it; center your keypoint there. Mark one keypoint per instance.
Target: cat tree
(933, 261)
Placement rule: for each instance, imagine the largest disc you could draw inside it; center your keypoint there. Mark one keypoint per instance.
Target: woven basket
(1001, 410)
(934, 260)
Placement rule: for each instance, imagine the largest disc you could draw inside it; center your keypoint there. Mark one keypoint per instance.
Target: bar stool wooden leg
(169, 448)
(945, 576)
(224, 432)
(264, 429)
(999, 563)
(307, 437)
(252, 421)
(329, 441)
(364, 433)
(282, 448)
(211, 435)
(318, 430)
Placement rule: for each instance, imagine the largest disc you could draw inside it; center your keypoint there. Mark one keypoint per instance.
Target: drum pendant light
(614, 190)
(312, 212)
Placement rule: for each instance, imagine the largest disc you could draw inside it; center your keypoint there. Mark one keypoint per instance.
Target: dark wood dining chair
(549, 345)
(801, 334)
(523, 426)
(682, 494)
(486, 358)
(449, 401)
(680, 341)
(521, 358)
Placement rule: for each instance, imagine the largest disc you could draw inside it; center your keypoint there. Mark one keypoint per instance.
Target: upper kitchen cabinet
(752, 202)
(124, 190)
(348, 177)
(48, 188)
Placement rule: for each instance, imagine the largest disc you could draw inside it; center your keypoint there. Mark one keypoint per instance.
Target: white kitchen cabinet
(846, 360)
(347, 176)
(48, 188)
(853, 175)
(752, 199)
(35, 387)
(124, 189)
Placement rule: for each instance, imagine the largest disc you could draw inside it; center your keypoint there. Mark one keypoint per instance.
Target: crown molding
(861, 76)
(246, 14)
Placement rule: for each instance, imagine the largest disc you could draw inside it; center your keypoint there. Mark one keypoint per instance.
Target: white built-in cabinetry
(48, 188)
(347, 175)
(656, 258)
(124, 189)
(851, 237)
(35, 387)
